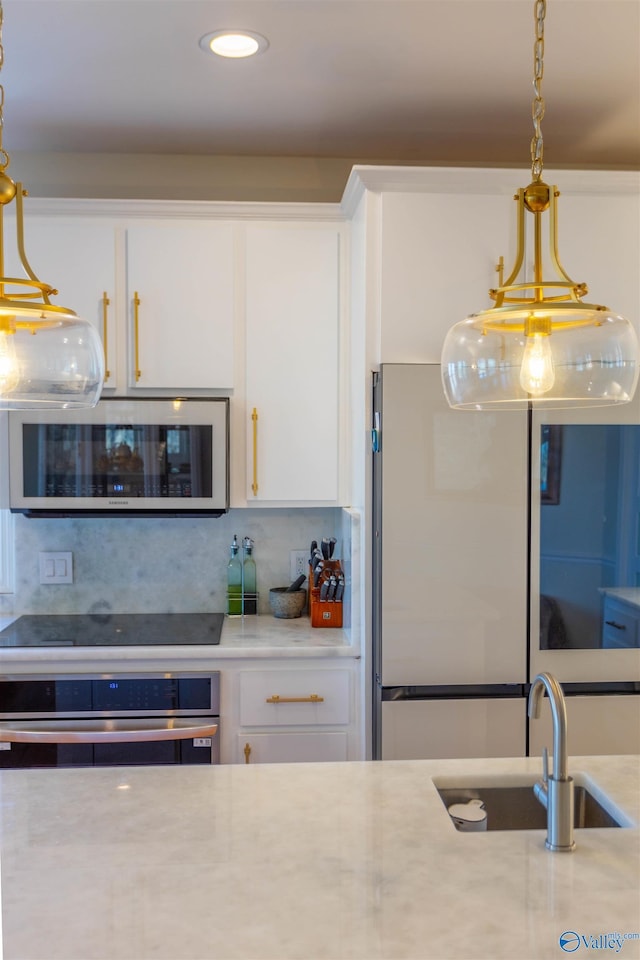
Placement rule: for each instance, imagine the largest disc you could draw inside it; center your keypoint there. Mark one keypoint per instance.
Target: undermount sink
(513, 806)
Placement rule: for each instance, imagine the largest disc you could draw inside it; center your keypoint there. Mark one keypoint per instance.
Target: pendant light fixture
(49, 357)
(539, 344)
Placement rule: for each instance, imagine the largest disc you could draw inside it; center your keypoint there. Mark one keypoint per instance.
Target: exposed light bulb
(9, 367)
(537, 373)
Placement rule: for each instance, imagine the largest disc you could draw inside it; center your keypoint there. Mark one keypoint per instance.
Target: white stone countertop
(242, 638)
(628, 594)
(304, 861)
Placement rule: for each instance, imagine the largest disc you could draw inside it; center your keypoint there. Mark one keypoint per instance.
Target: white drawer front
(294, 697)
(432, 729)
(291, 747)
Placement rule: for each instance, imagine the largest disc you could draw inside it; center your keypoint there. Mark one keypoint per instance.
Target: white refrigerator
(458, 562)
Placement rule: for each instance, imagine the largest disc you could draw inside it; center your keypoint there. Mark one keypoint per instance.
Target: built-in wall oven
(114, 719)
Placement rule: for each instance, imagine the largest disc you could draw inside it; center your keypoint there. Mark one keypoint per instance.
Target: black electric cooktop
(113, 630)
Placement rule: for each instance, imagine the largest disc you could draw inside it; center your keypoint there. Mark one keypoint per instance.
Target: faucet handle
(545, 765)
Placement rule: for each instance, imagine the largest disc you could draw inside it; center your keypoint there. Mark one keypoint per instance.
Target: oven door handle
(104, 731)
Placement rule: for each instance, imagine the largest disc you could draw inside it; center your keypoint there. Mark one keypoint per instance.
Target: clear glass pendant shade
(571, 355)
(540, 344)
(49, 358)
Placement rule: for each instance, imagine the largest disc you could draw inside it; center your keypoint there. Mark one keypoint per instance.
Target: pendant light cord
(537, 111)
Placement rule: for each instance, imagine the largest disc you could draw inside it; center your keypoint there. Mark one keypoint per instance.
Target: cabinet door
(291, 747)
(620, 624)
(599, 243)
(438, 257)
(180, 285)
(78, 258)
(292, 382)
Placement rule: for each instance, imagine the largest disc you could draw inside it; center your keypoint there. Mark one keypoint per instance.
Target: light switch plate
(56, 567)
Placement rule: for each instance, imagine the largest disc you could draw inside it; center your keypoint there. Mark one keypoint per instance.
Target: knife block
(324, 613)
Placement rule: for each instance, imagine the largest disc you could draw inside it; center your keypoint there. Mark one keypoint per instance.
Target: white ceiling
(390, 80)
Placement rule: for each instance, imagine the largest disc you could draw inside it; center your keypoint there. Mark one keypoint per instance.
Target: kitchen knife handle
(105, 310)
(314, 698)
(136, 338)
(254, 485)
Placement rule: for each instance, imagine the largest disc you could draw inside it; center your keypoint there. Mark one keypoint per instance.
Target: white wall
(182, 177)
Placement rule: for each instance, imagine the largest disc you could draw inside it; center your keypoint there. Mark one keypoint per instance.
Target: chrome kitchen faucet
(555, 792)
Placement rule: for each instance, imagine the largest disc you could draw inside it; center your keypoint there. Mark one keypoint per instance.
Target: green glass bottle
(249, 579)
(234, 580)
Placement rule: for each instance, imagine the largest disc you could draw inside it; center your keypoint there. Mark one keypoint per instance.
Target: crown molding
(181, 209)
(479, 180)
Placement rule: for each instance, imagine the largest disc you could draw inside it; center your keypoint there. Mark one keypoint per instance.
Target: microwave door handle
(104, 731)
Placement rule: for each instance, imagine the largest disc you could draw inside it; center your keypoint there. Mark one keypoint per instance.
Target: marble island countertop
(303, 861)
(261, 636)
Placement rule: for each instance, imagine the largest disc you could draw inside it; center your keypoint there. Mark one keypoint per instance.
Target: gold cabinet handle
(314, 698)
(105, 310)
(254, 485)
(247, 752)
(136, 305)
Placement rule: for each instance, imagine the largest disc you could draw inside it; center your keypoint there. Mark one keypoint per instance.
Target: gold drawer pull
(136, 306)
(105, 309)
(314, 698)
(247, 752)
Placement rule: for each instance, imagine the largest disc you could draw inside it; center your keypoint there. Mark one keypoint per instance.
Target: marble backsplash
(161, 565)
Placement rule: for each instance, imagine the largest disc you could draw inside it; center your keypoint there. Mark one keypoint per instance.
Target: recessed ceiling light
(234, 43)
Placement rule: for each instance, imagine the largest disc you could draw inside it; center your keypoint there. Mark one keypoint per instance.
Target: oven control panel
(110, 695)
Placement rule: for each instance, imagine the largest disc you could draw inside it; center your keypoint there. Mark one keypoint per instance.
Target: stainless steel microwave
(125, 457)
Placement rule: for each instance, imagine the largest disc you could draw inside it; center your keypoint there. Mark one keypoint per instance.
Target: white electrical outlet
(298, 563)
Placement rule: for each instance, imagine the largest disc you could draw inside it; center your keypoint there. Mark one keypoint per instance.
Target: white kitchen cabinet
(161, 292)
(433, 237)
(293, 391)
(287, 697)
(599, 236)
(438, 257)
(291, 747)
(437, 729)
(620, 623)
(298, 711)
(180, 304)
(77, 256)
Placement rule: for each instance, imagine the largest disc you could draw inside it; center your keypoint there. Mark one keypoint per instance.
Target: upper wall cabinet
(438, 258)
(292, 389)
(434, 237)
(160, 292)
(180, 303)
(78, 258)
